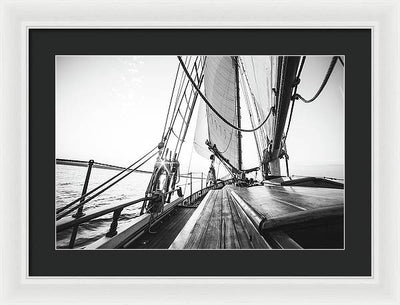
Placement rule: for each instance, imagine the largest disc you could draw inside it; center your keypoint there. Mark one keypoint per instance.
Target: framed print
(238, 159)
(250, 205)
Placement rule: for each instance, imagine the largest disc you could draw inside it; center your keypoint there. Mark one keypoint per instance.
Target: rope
(327, 76)
(214, 110)
(178, 102)
(259, 138)
(193, 97)
(173, 132)
(104, 183)
(103, 190)
(170, 103)
(178, 94)
(303, 59)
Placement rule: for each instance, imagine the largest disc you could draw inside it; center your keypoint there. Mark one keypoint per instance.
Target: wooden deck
(258, 217)
(166, 230)
(219, 223)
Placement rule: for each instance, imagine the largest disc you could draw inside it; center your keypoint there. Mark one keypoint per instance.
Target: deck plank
(229, 234)
(201, 224)
(242, 237)
(252, 235)
(221, 225)
(211, 238)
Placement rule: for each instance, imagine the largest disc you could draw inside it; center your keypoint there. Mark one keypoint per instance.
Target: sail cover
(221, 91)
(261, 76)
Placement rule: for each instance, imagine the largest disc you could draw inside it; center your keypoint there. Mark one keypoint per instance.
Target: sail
(201, 132)
(220, 87)
(261, 78)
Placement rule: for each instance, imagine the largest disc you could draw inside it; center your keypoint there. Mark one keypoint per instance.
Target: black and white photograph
(232, 152)
(195, 152)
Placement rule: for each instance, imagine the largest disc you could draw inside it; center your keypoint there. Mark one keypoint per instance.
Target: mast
(286, 77)
(239, 134)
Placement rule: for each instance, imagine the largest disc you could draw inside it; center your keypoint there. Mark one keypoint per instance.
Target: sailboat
(274, 211)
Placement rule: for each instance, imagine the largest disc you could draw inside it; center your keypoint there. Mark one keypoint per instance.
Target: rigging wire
(213, 109)
(104, 183)
(173, 132)
(177, 95)
(245, 90)
(298, 96)
(103, 190)
(179, 98)
(193, 92)
(188, 169)
(190, 107)
(324, 82)
(303, 59)
(170, 103)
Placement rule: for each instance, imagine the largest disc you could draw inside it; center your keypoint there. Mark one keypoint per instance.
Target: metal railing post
(201, 180)
(80, 213)
(113, 228)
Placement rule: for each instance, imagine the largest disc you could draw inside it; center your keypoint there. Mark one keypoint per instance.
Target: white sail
(221, 91)
(201, 132)
(261, 77)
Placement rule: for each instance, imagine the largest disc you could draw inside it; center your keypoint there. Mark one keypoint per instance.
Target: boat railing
(78, 203)
(69, 222)
(74, 222)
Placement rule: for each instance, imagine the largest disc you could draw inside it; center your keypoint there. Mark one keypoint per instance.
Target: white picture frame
(382, 17)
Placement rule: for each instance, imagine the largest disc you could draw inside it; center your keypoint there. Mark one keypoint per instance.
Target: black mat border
(44, 44)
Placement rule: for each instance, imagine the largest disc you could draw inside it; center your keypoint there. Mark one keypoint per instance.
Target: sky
(112, 109)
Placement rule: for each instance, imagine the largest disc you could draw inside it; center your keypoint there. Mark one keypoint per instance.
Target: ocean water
(69, 184)
(325, 170)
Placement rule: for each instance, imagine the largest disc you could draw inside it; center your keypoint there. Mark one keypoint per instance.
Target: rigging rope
(177, 96)
(173, 132)
(303, 59)
(327, 76)
(183, 86)
(193, 99)
(170, 103)
(104, 183)
(259, 137)
(214, 110)
(103, 190)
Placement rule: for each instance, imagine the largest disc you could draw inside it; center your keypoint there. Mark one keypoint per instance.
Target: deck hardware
(113, 227)
(179, 192)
